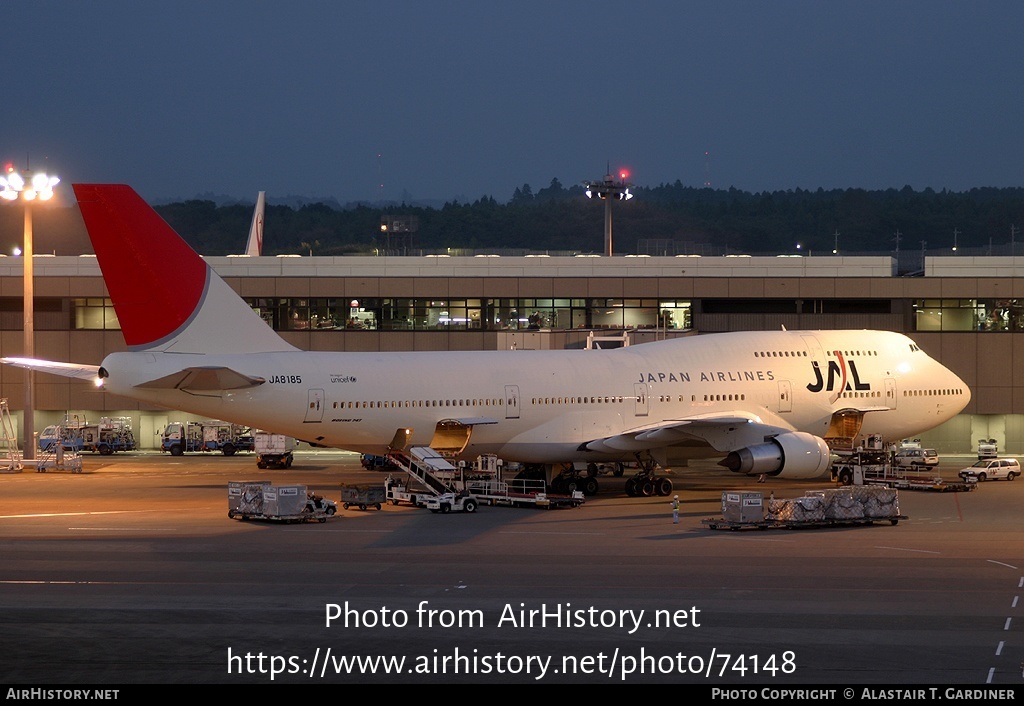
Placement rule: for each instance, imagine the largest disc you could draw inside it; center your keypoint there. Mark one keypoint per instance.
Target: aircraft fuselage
(541, 406)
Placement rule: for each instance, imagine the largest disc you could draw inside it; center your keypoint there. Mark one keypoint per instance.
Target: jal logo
(841, 373)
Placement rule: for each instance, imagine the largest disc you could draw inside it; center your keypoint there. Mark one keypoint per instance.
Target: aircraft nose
(966, 391)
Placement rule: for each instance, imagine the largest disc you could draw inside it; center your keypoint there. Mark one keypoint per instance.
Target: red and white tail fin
(166, 297)
(254, 247)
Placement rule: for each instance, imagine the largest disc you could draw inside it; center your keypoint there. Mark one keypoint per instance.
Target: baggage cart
(362, 496)
(261, 500)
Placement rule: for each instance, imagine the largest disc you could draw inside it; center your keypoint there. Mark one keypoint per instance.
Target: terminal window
(969, 315)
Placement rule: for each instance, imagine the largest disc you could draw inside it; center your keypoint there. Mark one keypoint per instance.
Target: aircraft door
(315, 408)
(643, 403)
(843, 429)
(813, 347)
(511, 401)
(890, 393)
(451, 437)
(785, 396)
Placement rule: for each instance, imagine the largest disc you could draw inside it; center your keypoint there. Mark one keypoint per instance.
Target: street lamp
(609, 190)
(38, 188)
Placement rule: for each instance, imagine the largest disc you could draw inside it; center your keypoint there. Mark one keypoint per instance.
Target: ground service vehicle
(874, 467)
(438, 485)
(262, 500)
(105, 438)
(188, 437)
(452, 502)
(373, 462)
(273, 450)
(908, 458)
(987, 448)
(992, 469)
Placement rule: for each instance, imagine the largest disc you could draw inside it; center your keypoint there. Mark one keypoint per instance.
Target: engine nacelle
(791, 455)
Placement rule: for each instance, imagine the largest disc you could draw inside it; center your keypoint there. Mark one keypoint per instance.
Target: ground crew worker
(675, 510)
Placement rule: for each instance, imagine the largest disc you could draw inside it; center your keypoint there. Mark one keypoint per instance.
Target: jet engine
(791, 455)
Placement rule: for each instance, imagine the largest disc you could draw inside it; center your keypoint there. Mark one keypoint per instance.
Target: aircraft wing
(208, 378)
(723, 432)
(68, 370)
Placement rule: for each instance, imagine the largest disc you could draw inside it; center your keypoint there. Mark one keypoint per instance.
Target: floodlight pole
(39, 187)
(29, 421)
(608, 190)
(608, 246)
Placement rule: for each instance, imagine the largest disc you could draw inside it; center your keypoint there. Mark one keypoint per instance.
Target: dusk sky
(443, 99)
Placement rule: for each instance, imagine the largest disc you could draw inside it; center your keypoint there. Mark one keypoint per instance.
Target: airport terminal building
(967, 312)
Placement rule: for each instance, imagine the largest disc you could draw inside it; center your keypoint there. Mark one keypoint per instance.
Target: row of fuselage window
(602, 400)
(397, 404)
(660, 398)
(932, 393)
(611, 399)
(805, 354)
(906, 393)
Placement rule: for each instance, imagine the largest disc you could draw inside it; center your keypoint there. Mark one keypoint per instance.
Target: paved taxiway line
(771, 540)
(345, 531)
(123, 529)
(75, 514)
(1002, 563)
(559, 534)
(30, 582)
(1008, 623)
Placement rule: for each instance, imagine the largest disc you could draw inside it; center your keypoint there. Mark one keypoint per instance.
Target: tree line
(668, 219)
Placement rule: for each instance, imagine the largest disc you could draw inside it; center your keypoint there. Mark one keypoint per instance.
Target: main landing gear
(565, 482)
(645, 484)
(571, 479)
